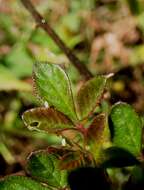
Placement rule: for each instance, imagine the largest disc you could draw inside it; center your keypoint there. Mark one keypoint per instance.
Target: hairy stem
(45, 26)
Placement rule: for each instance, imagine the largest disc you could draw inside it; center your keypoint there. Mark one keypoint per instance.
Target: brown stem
(45, 26)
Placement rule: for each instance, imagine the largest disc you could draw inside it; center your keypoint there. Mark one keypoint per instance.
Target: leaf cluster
(95, 146)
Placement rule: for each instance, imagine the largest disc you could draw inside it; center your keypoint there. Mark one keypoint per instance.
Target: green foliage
(86, 140)
(20, 183)
(19, 60)
(137, 55)
(45, 167)
(94, 148)
(126, 127)
(53, 87)
(78, 122)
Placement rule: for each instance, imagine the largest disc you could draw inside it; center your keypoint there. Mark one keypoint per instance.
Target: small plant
(98, 150)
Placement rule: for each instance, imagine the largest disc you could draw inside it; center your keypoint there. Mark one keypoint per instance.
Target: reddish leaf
(89, 95)
(96, 129)
(98, 136)
(46, 119)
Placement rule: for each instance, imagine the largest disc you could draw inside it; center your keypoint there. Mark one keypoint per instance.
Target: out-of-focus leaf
(72, 21)
(9, 82)
(89, 95)
(80, 5)
(7, 25)
(67, 36)
(134, 6)
(6, 22)
(53, 86)
(140, 21)
(45, 167)
(19, 61)
(118, 157)
(5, 152)
(65, 33)
(137, 56)
(126, 128)
(44, 54)
(41, 38)
(20, 183)
(46, 119)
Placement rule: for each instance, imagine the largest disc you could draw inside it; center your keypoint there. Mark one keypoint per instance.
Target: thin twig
(45, 26)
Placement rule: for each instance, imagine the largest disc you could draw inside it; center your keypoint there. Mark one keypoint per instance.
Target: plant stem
(45, 26)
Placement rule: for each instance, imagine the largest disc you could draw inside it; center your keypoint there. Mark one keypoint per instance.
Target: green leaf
(40, 38)
(53, 86)
(46, 119)
(72, 22)
(89, 95)
(126, 128)
(9, 82)
(20, 183)
(44, 166)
